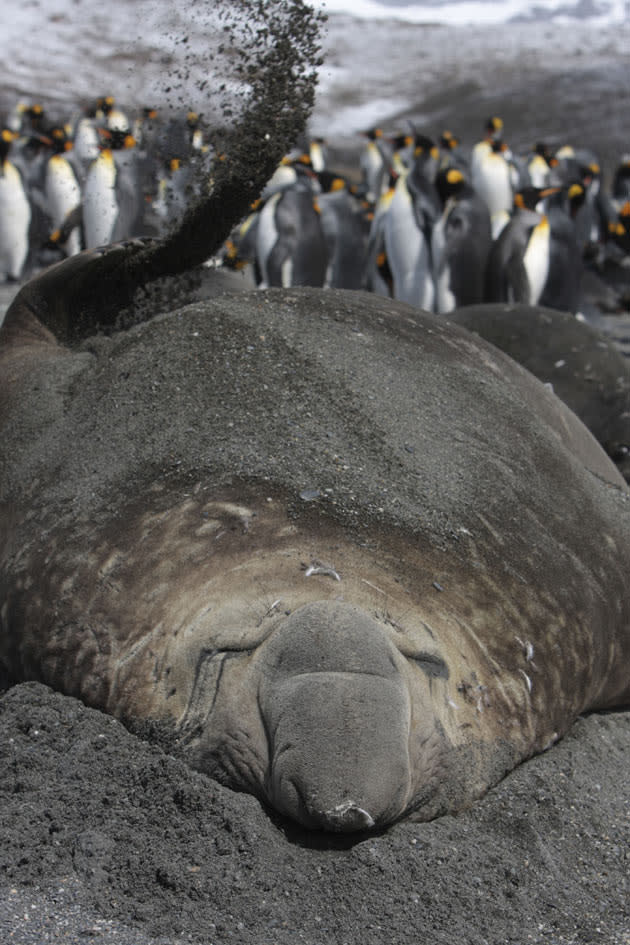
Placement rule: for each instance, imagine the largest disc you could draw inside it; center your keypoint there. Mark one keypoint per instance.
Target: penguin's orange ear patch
(616, 229)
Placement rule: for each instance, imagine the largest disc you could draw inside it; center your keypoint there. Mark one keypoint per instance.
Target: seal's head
(338, 739)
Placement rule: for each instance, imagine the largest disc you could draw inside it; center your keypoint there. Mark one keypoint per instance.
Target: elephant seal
(357, 560)
(585, 369)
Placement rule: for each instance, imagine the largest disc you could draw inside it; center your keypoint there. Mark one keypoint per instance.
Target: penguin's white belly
(100, 207)
(63, 195)
(371, 163)
(479, 153)
(62, 190)
(498, 223)
(172, 200)
(536, 260)
(408, 254)
(15, 218)
(266, 237)
(538, 171)
(86, 146)
(491, 180)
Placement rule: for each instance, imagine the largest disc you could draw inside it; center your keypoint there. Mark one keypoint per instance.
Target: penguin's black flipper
(517, 280)
(506, 276)
(496, 289)
(72, 221)
(468, 236)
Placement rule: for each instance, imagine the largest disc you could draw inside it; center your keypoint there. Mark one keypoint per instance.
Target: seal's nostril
(348, 816)
(345, 817)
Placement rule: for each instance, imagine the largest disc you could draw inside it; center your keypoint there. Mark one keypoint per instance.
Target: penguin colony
(418, 220)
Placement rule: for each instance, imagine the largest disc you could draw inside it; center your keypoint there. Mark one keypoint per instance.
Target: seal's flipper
(80, 295)
(86, 293)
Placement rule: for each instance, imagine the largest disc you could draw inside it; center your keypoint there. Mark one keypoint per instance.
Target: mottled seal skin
(360, 561)
(585, 369)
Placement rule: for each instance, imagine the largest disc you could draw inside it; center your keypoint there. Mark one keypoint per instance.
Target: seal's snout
(344, 818)
(349, 817)
(293, 799)
(337, 716)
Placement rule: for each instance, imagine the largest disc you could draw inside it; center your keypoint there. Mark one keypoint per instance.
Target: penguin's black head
(425, 147)
(402, 141)
(448, 141)
(543, 149)
(528, 198)
(330, 182)
(117, 139)
(7, 137)
(449, 183)
(619, 229)
(494, 128)
(590, 172)
(35, 115)
(59, 140)
(105, 104)
(576, 196)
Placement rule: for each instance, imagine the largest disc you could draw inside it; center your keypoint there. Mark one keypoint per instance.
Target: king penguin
(491, 177)
(86, 144)
(290, 242)
(562, 286)
(15, 213)
(493, 133)
(342, 221)
(460, 243)
(539, 164)
(374, 164)
(62, 190)
(112, 203)
(318, 153)
(414, 208)
(518, 264)
(378, 275)
(619, 231)
(175, 187)
(112, 117)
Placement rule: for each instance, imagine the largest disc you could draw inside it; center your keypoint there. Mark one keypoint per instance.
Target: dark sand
(107, 839)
